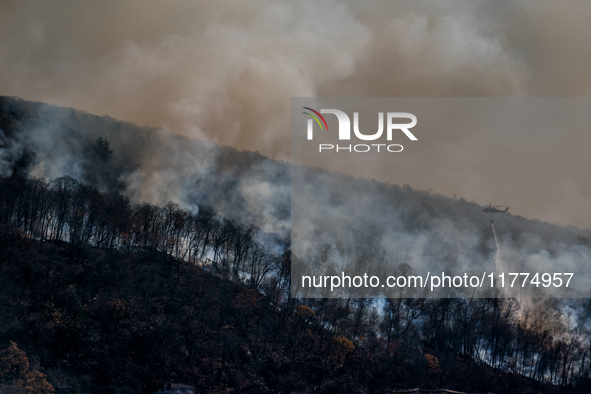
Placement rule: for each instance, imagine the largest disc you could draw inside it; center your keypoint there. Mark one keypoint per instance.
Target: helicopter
(493, 209)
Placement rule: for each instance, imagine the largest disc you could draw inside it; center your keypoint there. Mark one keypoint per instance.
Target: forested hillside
(107, 287)
(101, 320)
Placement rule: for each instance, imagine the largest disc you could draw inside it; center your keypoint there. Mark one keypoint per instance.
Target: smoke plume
(225, 71)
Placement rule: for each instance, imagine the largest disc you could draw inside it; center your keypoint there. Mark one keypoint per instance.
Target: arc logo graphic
(316, 119)
(344, 132)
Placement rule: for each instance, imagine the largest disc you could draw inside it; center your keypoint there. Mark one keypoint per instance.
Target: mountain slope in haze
(115, 309)
(146, 164)
(352, 219)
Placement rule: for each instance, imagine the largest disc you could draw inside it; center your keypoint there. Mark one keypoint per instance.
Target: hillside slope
(103, 321)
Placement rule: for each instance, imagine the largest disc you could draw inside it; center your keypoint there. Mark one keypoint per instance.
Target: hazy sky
(226, 70)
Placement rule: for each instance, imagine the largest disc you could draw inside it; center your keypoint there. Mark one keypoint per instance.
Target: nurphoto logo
(345, 130)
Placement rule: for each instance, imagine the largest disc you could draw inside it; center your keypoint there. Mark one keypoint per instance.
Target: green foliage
(75, 302)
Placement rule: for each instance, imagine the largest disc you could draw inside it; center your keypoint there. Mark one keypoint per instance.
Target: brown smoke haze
(225, 70)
